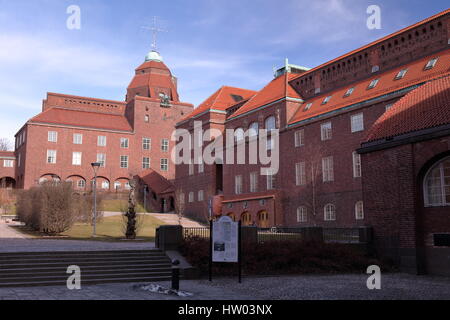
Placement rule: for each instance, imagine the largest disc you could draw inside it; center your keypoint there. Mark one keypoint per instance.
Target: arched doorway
(263, 219)
(246, 219)
(49, 177)
(7, 183)
(232, 216)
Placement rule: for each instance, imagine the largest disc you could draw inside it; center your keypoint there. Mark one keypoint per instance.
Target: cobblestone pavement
(44, 245)
(311, 287)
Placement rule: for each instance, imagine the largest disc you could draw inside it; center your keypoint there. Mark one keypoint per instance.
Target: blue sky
(209, 43)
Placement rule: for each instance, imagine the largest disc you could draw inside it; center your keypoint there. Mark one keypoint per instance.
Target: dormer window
(349, 92)
(431, 64)
(375, 69)
(308, 106)
(373, 84)
(326, 100)
(401, 74)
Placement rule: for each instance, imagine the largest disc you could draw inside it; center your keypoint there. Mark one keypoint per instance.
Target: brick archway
(263, 219)
(246, 218)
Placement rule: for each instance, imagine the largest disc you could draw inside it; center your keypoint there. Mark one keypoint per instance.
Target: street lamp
(95, 166)
(145, 197)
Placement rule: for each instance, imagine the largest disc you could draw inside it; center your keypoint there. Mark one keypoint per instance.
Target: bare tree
(5, 144)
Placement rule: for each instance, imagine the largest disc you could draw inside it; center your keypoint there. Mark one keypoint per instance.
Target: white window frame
(191, 197)
(441, 187)
(51, 156)
(239, 135)
(329, 211)
(238, 184)
(146, 144)
(299, 138)
(53, 136)
(77, 158)
(164, 164)
(431, 64)
(145, 162)
(165, 145)
(253, 130)
(270, 124)
(124, 162)
(77, 138)
(356, 165)
(359, 210)
(270, 181)
(302, 214)
(254, 181)
(81, 184)
(328, 169)
(8, 163)
(349, 92)
(101, 158)
(373, 84)
(201, 195)
(401, 74)
(124, 143)
(326, 100)
(101, 141)
(326, 131)
(357, 122)
(300, 174)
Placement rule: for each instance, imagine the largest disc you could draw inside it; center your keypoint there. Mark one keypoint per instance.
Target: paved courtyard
(311, 287)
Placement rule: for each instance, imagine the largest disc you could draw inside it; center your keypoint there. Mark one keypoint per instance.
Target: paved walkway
(6, 232)
(167, 218)
(311, 287)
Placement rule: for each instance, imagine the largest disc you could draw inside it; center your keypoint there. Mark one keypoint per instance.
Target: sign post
(225, 243)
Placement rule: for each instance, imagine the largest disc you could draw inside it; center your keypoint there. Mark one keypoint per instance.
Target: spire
(154, 55)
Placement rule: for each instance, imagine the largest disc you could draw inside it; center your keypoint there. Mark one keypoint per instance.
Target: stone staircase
(49, 268)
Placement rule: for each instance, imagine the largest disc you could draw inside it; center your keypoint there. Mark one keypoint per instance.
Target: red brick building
(323, 115)
(126, 137)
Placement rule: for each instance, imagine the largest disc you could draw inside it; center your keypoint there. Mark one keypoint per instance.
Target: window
(359, 210)
(253, 129)
(147, 118)
(326, 131)
(238, 184)
(239, 135)
(330, 212)
(76, 158)
(51, 156)
(299, 138)
(401, 74)
(327, 169)
(105, 185)
(124, 143)
(326, 100)
(254, 182)
(430, 64)
(145, 163)
(437, 184)
(146, 143)
(356, 165)
(164, 145)
(101, 158)
(375, 69)
(357, 122)
(191, 197)
(300, 174)
(373, 84)
(200, 195)
(81, 184)
(124, 161)
(77, 138)
(270, 181)
(52, 136)
(270, 123)
(101, 141)
(117, 185)
(164, 164)
(191, 169)
(8, 163)
(349, 92)
(302, 214)
(307, 107)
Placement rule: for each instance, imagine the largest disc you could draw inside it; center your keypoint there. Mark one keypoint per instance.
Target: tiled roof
(60, 116)
(278, 88)
(443, 13)
(222, 99)
(156, 182)
(425, 107)
(387, 84)
(153, 80)
(153, 64)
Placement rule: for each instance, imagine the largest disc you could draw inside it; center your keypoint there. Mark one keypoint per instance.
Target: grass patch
(118, 205)
(108, 229)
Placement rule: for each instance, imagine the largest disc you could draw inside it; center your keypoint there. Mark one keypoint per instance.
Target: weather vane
(155, 29)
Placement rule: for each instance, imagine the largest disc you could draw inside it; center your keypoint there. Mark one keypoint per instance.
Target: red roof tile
(443, 13)
(82, 119)
(156, 182)
(387, 84)
(153, 80)
(222, 99)
(425, 107)
(277, 89)
(153, 64)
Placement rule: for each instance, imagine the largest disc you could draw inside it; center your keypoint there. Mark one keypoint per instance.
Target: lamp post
(145, 197)
(95, 166)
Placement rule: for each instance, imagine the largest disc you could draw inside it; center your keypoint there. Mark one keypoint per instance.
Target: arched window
(359, 210)
(239, 134)
(330, 212)
(105, 185)
(302, 214)
(81, 183)
(270, 123)
(253, 129)
(437, 184)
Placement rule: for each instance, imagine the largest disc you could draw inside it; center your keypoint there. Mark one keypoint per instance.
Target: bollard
(175, 275)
